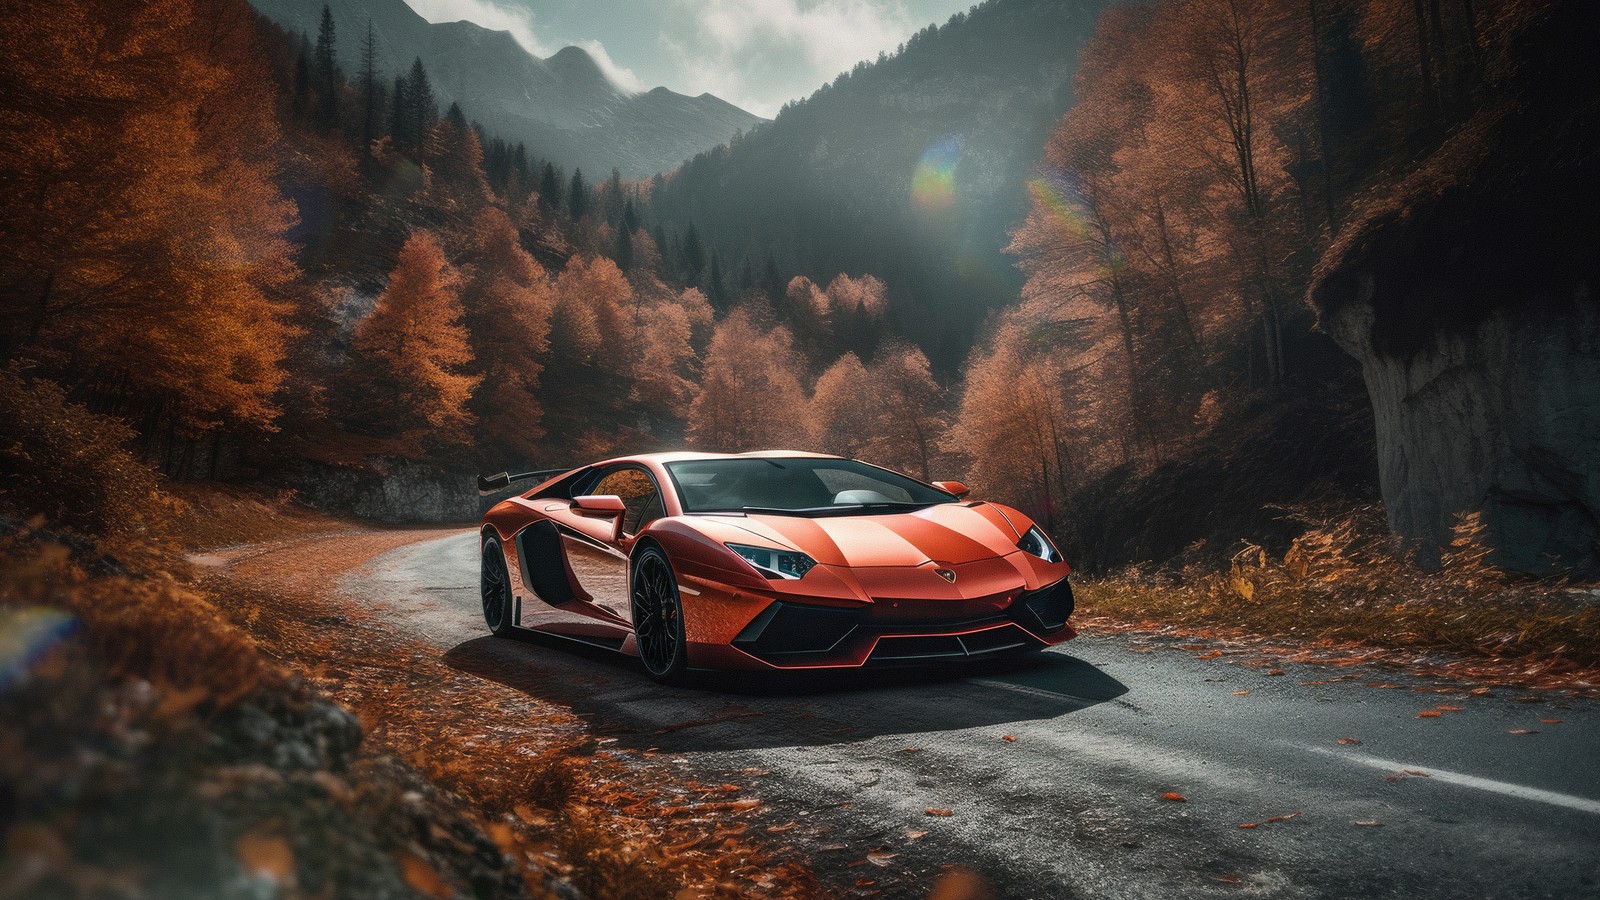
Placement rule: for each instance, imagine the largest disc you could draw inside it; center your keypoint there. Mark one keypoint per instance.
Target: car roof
(685, 455)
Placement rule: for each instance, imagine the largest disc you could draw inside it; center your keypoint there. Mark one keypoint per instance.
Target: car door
(596, 555)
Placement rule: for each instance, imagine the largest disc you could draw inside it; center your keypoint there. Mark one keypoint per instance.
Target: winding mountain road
(1053, 770)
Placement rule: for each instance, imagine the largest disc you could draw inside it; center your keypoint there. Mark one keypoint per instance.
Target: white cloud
(518, 21)
(621, 76)
(781, 48)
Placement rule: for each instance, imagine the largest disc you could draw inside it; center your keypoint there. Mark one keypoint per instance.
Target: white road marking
(1582, 804)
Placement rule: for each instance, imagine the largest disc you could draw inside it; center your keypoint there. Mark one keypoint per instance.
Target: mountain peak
(575, 62)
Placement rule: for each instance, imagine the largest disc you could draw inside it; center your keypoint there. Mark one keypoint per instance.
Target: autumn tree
(455, 160)
(1013, 427)
(843, 413)
(507, 302)
(593, 353)
(413, 354)
(907, 427)
(144, 246)
(750, 397)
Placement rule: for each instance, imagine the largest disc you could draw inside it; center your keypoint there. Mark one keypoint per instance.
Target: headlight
(1037, 544)
(775, 563)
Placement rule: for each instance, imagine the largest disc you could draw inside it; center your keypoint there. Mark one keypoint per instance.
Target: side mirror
(953, 487)
(601, 506)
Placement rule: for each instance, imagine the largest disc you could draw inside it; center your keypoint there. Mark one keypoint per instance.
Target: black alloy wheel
(658, 616)
(494, 584)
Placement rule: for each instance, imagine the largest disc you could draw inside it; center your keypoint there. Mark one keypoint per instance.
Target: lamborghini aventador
(770, 560)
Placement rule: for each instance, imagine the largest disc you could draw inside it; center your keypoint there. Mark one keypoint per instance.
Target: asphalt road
(1073, 807)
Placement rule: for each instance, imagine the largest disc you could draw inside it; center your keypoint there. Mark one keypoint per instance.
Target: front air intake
(1046, 609)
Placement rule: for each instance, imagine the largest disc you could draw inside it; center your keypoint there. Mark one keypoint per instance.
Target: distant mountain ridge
(563, 107)
(913, 168)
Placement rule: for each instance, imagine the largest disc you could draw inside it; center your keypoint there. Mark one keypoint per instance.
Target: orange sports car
(772, 560)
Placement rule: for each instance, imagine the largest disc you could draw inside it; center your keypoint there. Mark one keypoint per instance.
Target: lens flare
(933, 182)
(25, 636)
(1055, 195)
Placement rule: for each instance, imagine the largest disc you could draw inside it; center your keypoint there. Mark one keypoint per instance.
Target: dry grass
(213, 516)
(141, 624)
(1343, 582)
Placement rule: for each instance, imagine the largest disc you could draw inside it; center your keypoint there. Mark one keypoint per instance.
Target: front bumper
(795, 635)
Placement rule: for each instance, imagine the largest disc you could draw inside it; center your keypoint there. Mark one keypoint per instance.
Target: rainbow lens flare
(933, 182)
(25, 636)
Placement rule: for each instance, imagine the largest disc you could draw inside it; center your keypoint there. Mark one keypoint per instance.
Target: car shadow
(742, 710)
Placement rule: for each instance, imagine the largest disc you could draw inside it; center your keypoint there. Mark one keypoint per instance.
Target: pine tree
(549, 188)
(624, 249)
(459, 119)
(422, 110)
(302, 87)
(630, 219)
(519, 164)
(329, 80)
(694, 256)
(715, 290)
(577, 196)
(747, 277)
(369, 92)
(613, 197)
(771, 282)
(399, 113)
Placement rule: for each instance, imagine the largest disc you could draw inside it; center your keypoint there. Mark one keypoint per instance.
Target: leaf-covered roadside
(608, 822)
(1343, 593)
(148, 748)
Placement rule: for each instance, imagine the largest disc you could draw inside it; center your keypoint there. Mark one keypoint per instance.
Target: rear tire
(494, 587)
(658, 617)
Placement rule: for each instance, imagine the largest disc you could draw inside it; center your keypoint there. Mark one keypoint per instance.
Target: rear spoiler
(489, 484)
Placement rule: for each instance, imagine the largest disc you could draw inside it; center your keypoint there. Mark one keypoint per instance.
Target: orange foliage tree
(750, 396)
(143, 244)
(413, 353)
(507, 304)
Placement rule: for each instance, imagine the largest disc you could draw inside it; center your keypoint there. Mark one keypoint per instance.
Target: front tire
(494, 586)
(658, 616)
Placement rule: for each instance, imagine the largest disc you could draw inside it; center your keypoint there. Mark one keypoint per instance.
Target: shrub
(72, 465)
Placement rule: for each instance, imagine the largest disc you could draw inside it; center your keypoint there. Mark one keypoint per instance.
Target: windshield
(801, 486)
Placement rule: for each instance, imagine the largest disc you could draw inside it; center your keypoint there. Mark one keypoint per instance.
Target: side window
(638, 493)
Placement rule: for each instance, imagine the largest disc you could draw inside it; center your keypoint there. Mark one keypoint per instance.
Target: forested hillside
(564, 105)
(912, 168)
(315, 277)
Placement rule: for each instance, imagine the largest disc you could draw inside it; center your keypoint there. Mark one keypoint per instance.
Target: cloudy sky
(753, 53)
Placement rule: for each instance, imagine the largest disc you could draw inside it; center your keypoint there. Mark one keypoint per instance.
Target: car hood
(947, 534)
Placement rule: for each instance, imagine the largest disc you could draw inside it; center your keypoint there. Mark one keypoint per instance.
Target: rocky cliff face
(400, 493)
(1503, 419)
(1467, 288)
